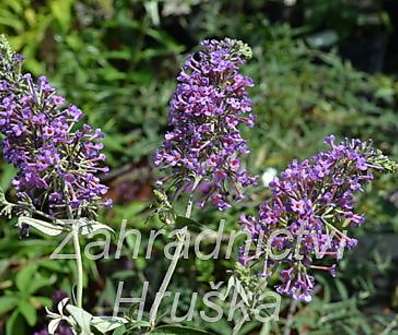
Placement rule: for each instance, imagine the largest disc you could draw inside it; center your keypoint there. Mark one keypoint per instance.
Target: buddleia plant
(59, 164)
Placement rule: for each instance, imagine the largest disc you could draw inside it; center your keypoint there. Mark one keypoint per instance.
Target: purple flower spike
(58, 166)
(312, 205)
(209, 104)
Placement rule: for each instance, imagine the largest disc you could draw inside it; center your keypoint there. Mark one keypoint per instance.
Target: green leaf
(109, 74)
(176, 330)
(53, 266)
(40, 282)
(61, 9)
(28, 312)
(105, 325)
(15, 324)
(2, 196)
(16, 5)
(182, 221)
(43, 226)
(7, 304)
(342, 289)
(82, 318)
(120, 331)
(24, 277)
(249, 327)
(43, 301)
(222, 327)
(7, 174)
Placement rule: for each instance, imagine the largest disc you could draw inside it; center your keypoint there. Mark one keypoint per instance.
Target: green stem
(166, 282)
(79, 265)
(190, 200)
(170, 271)
(290, 317)
(189, 208)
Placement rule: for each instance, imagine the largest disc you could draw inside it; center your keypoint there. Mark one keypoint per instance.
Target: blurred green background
(320, 67)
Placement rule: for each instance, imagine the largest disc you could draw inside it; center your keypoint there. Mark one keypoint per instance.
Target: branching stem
(79, 265)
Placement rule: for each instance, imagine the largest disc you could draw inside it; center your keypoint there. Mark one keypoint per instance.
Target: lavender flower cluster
(312, 204)
(58, 165)
(210, 102)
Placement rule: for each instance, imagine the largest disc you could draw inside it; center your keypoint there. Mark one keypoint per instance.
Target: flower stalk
(79, 264)
(181, 235)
